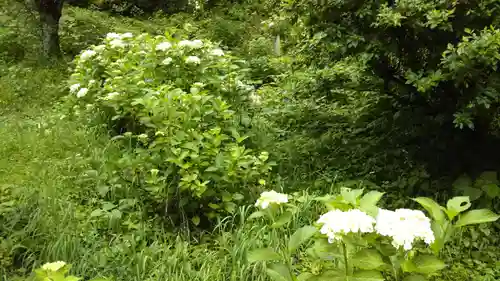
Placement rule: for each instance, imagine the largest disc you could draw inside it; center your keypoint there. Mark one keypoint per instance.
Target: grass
(47, 197)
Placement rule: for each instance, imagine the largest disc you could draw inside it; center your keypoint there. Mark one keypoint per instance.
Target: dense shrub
(171, 103)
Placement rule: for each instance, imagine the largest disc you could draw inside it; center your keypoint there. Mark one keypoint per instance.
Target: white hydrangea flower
(338, 222)
(126, 35)
(117, 43)
(113, 35)
(87, 55)
(217, 52)
(82, 92)
(53, 266)
(112, 95)
(404, 226)
(73, 88)
(163, 46)
(195, 44)
(167, 61)
(255, 99)
(193, 59)
(100, 48)
(271, 197)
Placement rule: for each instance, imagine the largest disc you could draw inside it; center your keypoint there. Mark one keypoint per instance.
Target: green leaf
(433, 208)
(462, 182)
(285, 218)
(264, 254)
(456, 205)
(300, 236)
(304, 276)
(238, 197)
(279, 272)
(428, 264)
(195, 220)
(492, 190)
(368, 202)
(415, 277)
(255, 215)
(351, 196)
(368, 259)
(473, 193)
(476, 216)
(367, 275)
(488, 177)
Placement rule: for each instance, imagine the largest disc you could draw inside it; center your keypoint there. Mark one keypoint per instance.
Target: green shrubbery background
(396, 97)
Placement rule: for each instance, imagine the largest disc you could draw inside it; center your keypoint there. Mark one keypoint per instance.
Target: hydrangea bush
(357, 240)
(176, 106)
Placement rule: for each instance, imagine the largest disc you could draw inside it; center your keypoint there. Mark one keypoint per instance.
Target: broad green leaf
(264, 254)
(415, 277)
(300, 236)
(304, 276)
(367, 275)
(476, 216)
(285, 218)
(433, 208)
(408, 266)
(473, 193)
(255, 215)
(72, 278)
(368, 202)
(428, 264)
(351, 196)
(279, 272)
(331, 275)
(195, 220)
(462, 182)
(492, 190)
(367, 259)
(456, 205)
(485, 178)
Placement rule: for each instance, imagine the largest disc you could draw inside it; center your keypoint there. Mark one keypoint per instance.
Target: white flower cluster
(87, 55)
(53, 266)
(271, 197)
(80, 92)
(195, 44)
(116, 40)
(404, 226)
(338, 222)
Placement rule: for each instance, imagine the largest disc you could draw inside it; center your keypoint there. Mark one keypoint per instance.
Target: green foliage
(363, 255)
(169, 102)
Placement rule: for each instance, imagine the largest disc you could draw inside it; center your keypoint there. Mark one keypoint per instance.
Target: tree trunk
(50, 35)
(50, 13)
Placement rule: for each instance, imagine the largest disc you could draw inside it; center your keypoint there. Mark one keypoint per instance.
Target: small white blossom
(82, 92)
(53, 266)
(217, 52)
(271, 197)
(255, 99)
(193, 59)
(73, 88)
(126, 35)
(167, 61)
(336, 222)
(113, 35)
(196, 44)
(163, 46)
(112, 95)
(117, 43)
(87, 55)
(404, 226)
(100, 48)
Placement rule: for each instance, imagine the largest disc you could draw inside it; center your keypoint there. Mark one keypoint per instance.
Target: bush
(170, 103)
